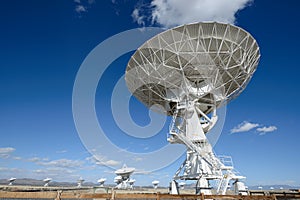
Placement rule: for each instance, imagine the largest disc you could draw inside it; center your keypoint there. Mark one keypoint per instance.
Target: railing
(114, 195)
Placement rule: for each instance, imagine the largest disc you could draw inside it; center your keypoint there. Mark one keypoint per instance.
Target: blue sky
(43, 44)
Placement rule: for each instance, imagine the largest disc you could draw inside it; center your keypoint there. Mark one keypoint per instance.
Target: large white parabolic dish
(208, 63)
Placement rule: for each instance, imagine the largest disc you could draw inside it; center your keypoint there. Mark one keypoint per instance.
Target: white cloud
(83, 5)
(265, 129)
(39, 171)
(247, 126)
(14, 170)
(53, 171)
(137, 159)
(244, 127)
(34, 159)
(102, 160)
(80, 9)
(170, 13)
(63, 163)
(138, 17)
(109, 163)
(61, 151)
(5, 152)
(37, 159)
(142, 172)
(91, 1)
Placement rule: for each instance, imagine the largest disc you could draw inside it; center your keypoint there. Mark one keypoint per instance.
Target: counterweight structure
(188, 72)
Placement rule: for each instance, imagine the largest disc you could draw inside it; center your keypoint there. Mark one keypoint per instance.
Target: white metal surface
(122, 179)
(207, 63)
(80, 182)
(188, 72)
(47, 181)
(101, 181)
(155, 184)
(11, 180)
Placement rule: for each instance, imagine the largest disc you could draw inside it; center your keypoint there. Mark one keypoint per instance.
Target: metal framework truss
(188, 72)
(207, 62)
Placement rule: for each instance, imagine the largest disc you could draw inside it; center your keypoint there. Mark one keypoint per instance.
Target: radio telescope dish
(11, 180)
(122, 179)
(118, 179)
(131, 182)
(47, 181)
(80, 182)
(208, 63)
(125, 172)
(155, 184)
(188, 72)
(101, 181)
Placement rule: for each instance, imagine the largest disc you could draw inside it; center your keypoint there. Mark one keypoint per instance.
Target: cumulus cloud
(136, 158)
(5, 152)
(138, 17)
(83, 5)
(64, 169)
(37, 159)
(244, 127)
(169, 13)
(109, 163)
(13, 170)
(80, 9)
(142, 172)
(91, 1)
(102, 160)
(63, 163)
(61, 151)
(266, 129)
(247, 126)
(34, 159)
(53, 171)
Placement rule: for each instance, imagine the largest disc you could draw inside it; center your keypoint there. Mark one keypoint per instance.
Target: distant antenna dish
(188, 72)
(80, 182)
(125, 171)
(101, 181)
(11, 180)
(123, 177)
(118, 179)
(155, 184)
(131, 182)
(47, 181)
